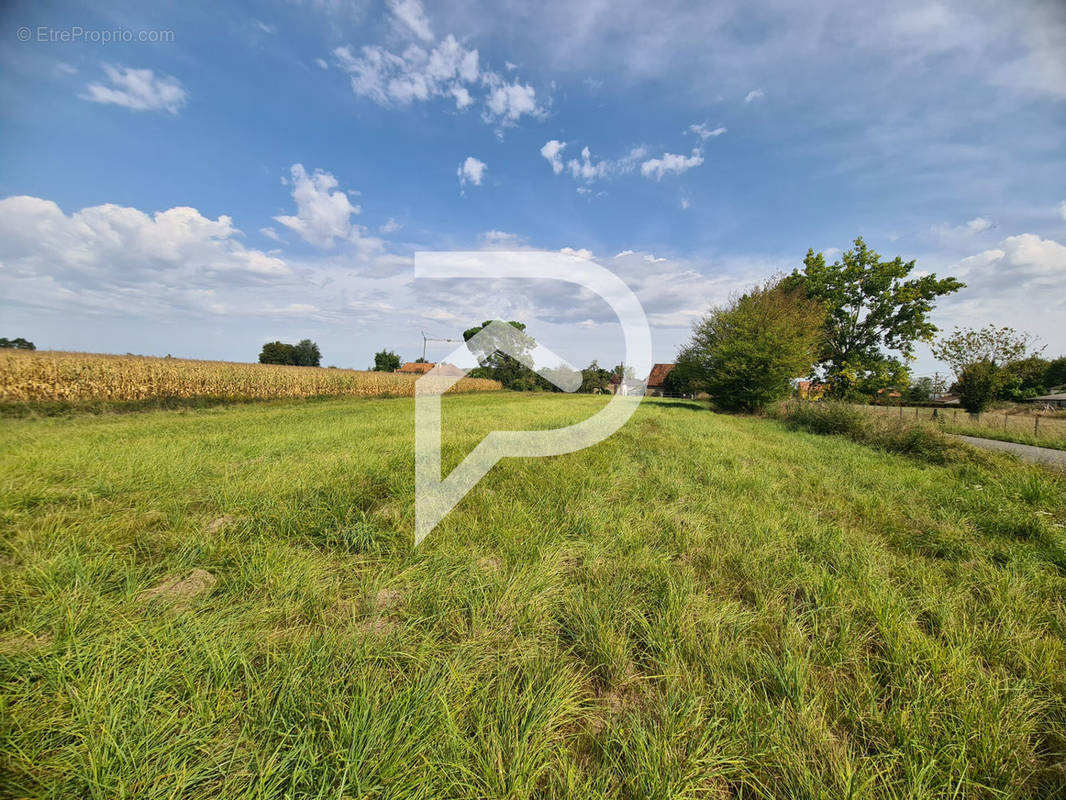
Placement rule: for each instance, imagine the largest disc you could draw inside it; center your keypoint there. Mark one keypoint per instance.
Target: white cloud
(1062, 209)
(670, 162)
(585, 169)
(120, 260)
(500, 239)
(411, 14)
(507, 102)
(580, 253)
(323, 213)
(554, 147)
(685, 204)
(270, 233)
(390, 227)
(702, 130)
(971, 228)
(472, 171)
(64, 68)
(138, 89)
(753, 95)
(322, 63)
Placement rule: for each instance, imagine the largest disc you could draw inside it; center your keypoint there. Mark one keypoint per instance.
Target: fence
(1027, 428)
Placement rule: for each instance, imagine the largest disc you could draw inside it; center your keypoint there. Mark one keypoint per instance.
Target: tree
(595, 379)
(277, 353)
(385, 361)
(921, 391)
(968, 346)
(871, 306)
(1023, 378)
(1056, 373)
(745, 354)
(499, 366)
(978, 385)
(307, 354)
(17, 344)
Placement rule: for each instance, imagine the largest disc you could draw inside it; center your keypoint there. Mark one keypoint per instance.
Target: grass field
(224, 603)
(1042, 430)
(44, 380)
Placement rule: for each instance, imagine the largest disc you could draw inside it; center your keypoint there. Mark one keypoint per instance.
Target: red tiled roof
(658, 374)
(416, 368)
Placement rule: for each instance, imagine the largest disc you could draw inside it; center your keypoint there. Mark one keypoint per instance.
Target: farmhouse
(416, 368)
(656, 385)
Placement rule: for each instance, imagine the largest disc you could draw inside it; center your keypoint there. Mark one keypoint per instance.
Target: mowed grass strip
(226, 604)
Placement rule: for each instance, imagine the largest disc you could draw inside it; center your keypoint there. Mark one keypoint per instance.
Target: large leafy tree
(18, 343)
(595, 379)
(997, 345)
(385, 361)
(873, 309)
(745, 354)
(498, 365)
(277, 353)
(307, 354)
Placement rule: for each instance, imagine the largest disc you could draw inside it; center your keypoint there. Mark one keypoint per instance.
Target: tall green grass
(701, 606)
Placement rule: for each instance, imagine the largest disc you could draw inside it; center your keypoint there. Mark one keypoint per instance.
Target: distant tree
(307, 354)
(978, 385)
(420, 360)
(872, 307)
(921, 391)
(277, 353)
(1023, 378)
(495, 364)
(17, 344)
(1056, 373)
(684, 378)
(997, 345)
(595, 379)
(385, 361)
(745, 354)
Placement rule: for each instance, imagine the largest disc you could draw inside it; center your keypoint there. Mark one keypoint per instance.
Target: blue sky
(267, 171)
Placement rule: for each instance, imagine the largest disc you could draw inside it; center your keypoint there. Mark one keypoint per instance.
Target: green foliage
(277, 353)
(1056, 373)
(497, 365)
(17, 344)
(745, 354)
(385, 361)
(978, 385)
(921, 391)
(595, 379)
(1024, 378)
(872, 307)
(998, 346)
(304, 354)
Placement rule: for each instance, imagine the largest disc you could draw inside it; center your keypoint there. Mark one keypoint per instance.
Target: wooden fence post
(1036, 426)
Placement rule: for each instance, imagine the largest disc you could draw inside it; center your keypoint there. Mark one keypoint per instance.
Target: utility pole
(433, 339)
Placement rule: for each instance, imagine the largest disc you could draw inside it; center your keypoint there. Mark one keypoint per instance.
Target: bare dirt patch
(217, 524)
(180, 592)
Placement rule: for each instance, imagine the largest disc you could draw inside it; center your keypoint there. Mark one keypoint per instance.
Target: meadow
(43, 380)
(225, 603)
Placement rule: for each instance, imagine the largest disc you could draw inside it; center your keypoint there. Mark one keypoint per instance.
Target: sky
(197, 179)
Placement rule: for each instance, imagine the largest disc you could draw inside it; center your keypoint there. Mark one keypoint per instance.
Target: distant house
(656, 384)
(1056, 400)
(416, 368)
(945, 399)
(809, 390)
(886, 396)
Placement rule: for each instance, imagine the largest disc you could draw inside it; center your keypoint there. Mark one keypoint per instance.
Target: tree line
(304, 353)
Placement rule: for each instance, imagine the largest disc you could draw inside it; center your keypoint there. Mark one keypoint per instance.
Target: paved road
(1026, 452)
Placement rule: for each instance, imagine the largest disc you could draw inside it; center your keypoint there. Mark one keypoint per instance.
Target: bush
(827, 418)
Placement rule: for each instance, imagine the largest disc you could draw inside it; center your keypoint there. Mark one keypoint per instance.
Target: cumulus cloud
(1062, 209)
(390, 227)
(585, 169)
(270, 233)
(656, 168)
(323, 212)
(116, 259)
(412, 16)
(447, 69)
(971, 228)
(138, 89)
(472, 170)
(704, 131)
(553, 149)
(753, 95)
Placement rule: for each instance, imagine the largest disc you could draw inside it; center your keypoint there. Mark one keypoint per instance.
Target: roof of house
(1057, 396)
(658, 374)
(416, 367)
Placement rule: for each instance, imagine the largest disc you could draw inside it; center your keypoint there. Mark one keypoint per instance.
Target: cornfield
(40, 376)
